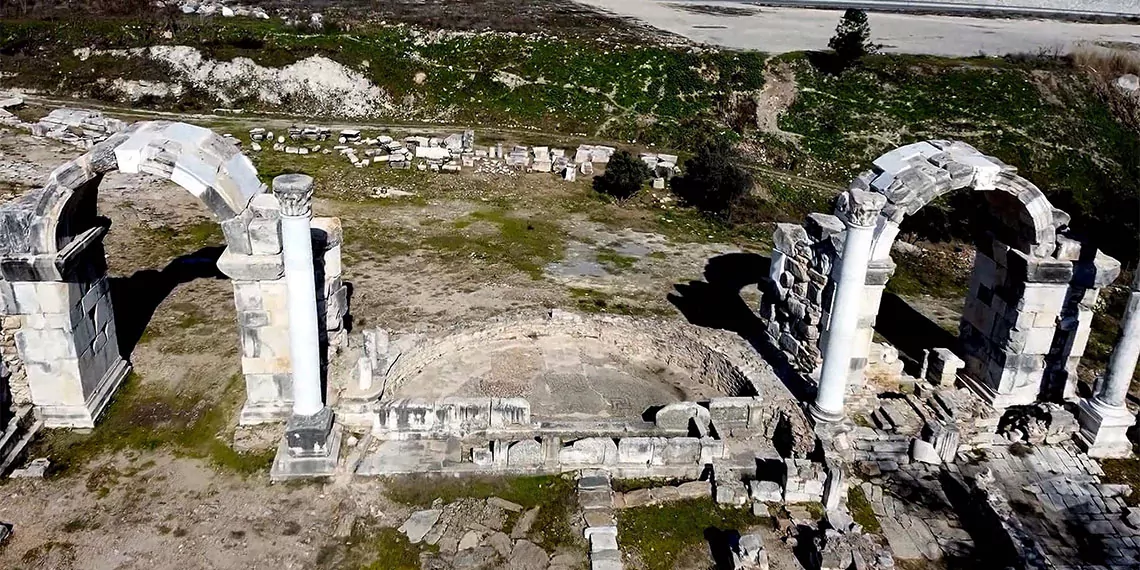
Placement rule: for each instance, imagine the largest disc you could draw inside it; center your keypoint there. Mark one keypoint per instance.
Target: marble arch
(1028, 310)
(53, 274)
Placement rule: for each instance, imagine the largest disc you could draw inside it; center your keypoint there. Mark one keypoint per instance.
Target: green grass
(161, 245)
(145, 418)
(861, 511)
(661, 534)
(372, 547)
(1124, 472)
(568, 85)
(553, 495)
(524, 244)
(926, 274)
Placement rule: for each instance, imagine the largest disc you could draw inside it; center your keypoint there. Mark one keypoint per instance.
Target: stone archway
(1029, 307)
(53, 274)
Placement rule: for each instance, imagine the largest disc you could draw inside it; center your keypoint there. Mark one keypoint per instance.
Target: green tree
(852, 38)
(624, 176)
(714, 182)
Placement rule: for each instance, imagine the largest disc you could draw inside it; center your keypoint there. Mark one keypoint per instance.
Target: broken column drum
(1104, 418)
(858, 210)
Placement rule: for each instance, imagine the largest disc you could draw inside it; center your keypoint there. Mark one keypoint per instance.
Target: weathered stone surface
(525, 453)
(679, 416)
(527, 555)
(418, 525)
(522, 527)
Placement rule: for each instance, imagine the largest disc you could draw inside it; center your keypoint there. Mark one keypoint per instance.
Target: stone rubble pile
(81, 127)
(9, 102)
(475, 533)
(451, 153)
(216, 8)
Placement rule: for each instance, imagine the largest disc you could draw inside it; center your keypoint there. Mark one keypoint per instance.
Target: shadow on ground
(716, 303)
(911, 332)
(136, 298)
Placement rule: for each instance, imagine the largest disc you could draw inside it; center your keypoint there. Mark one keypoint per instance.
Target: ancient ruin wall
(1028, 310)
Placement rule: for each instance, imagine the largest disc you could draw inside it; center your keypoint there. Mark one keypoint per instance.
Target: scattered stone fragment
(36, 469)
(419, 524)
(505, 504)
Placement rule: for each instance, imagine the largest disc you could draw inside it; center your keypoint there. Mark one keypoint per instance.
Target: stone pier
(1104, 418)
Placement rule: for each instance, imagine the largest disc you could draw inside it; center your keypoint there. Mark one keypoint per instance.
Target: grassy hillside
(1054, 120)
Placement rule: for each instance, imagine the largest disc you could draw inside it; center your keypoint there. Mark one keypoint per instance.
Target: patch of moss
(372, 547)
(661, 534)
(627, 485)
(861, 511)
(524, 244)
(613, 261)
(1123, 472)
(594, 301)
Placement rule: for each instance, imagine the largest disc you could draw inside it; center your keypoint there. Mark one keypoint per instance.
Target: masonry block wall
(253, 261)
(58, 319)
(1028, 311)
(65, 342)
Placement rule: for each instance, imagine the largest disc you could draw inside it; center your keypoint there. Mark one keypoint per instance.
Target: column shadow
(135, 298)
(716, 303)
(911, 332)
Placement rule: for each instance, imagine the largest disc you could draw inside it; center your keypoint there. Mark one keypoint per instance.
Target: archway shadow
(911, 332)
(136, 298)
(716, 303)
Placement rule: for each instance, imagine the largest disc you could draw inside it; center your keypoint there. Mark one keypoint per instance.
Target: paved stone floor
(917, 518)
(1057, 493)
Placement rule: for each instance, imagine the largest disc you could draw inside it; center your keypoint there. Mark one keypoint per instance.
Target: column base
(821, 415)
(264, 413)
(1104, 429)
(83, 417)
(310, 448)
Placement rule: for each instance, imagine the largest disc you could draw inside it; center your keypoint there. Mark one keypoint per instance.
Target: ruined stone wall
(67, 346)
(726, 368)
(253, 260)
(10, 357)
(1029, 306)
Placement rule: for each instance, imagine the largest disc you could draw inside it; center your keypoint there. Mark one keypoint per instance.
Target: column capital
(295, 192)
(859, 208)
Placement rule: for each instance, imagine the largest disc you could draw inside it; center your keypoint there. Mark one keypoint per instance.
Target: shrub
(623, 177)
(714, 182)
(852, 38)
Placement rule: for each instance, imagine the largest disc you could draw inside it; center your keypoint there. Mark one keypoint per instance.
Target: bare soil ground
(159, 484)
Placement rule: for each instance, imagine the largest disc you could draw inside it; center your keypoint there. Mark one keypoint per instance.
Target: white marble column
(1104, 418)
(311, 445)
(295, 191)
(858, 210)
